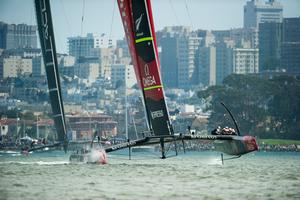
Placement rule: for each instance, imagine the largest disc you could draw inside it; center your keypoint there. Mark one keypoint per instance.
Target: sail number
(44, 20)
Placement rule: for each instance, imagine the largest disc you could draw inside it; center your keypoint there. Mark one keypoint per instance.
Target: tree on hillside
(284, 107)
(259, 105)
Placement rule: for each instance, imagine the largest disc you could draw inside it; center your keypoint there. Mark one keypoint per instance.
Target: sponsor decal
(157, 114)
(209, 137)
(148, 80)
(138, 22)
(126, 144)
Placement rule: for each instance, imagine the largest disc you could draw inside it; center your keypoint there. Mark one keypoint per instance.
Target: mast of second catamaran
(46, 34)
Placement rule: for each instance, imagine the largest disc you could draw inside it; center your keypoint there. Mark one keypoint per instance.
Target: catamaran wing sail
(140, 34)
(46, 34)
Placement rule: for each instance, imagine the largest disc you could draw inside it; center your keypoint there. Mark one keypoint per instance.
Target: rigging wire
(112, 20)
(32, 19)
(106, 59)
(66, 18)
(173, 9)
(188, 12)
(82, 17)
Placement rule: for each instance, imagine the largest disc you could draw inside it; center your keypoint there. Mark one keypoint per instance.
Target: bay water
(194, 175)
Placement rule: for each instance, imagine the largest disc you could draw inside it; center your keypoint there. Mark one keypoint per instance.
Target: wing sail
(140, 34)
(46, 34)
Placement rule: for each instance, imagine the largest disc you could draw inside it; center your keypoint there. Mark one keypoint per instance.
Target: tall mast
(126, 110)
(140, 34)
(46, 34)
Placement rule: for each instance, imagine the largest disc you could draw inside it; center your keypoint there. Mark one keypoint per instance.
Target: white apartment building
(15, 66)
(124, 74)
(245, 61)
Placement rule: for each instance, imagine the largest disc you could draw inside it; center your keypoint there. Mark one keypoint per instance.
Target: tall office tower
(206, 65)
(13, 36)
(224, 60)
(270, 38)
(178, 46)
(3, 31)
(81, 46)
(38, 68)
(258, 11)
(242, 36)
(290, 49)
(122, 44)
(221, 35)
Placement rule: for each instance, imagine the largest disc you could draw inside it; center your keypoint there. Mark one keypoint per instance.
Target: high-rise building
(187, 47)
(224, 60)
(169, 67)
(206, 65)
(290, 49)
(180, 44)
(13, 36)
(258, 11)
(81, 46)
(89, 71)
(245, 61)
(239, 35)
(123, 74)
(221, 35)
(106, 59)
(3, 33)
(270, 38)
(38, 68)
(84, 46)
(22, 52)
(15, 66)
(208, 38)
(122, 44)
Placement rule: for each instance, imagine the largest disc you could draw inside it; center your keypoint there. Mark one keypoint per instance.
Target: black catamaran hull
(46, 34)
(231, 145)
(237, 146)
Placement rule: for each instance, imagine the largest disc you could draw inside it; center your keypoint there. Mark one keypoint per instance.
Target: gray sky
(99, 15)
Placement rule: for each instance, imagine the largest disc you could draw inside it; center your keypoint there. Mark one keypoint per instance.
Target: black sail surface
(46, 34)
(149, 67)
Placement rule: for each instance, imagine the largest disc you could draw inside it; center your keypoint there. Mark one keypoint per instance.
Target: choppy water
(198, 175)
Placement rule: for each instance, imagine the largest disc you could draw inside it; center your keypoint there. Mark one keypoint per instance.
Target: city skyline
(67, 16)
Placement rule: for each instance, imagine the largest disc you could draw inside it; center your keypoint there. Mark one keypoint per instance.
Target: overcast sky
(102, 16)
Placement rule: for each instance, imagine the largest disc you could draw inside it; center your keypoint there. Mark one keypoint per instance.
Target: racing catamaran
(140, 34)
